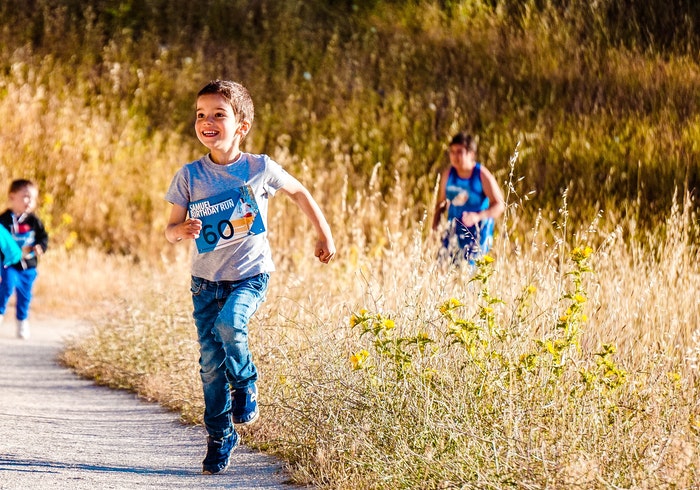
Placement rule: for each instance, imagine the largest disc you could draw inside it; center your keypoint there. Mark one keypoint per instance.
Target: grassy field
(552, 367)
(567, 359)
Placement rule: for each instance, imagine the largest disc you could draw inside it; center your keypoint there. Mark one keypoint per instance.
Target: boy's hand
(325, 250)
(470, 218)
(190, 229)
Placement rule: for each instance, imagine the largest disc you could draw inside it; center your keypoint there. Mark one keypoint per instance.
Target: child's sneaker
(244, 405)
(219, 454)
(23, 329)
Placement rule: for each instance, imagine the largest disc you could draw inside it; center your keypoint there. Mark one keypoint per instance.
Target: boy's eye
(218, 115)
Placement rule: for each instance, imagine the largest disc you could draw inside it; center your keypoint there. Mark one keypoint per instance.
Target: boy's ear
(244, 128)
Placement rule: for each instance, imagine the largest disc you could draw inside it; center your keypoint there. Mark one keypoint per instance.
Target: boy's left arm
(325, 247)
(41, 237)
(496, 201)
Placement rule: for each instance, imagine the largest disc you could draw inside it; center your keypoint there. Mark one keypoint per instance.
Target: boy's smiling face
(218, 128)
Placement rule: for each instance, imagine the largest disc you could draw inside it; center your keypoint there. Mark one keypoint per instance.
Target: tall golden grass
(526, 378)
(454, 418)
(382, 369)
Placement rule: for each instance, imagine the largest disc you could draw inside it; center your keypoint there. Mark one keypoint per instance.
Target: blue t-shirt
(232, 202)
(467, 195)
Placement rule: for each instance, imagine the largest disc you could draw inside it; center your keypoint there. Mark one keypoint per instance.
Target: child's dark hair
(20, 184)
(464, 139)
(235, 94)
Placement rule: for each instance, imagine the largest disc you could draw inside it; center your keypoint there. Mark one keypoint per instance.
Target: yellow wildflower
(581, 253)
(450, 304)
(357, 318)
(71, 239)
(549, 346)
(359, 359)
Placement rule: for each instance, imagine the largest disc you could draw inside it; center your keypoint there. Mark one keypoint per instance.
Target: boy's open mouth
(209, 133)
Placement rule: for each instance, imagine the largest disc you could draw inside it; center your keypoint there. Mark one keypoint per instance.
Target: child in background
(473, 201)
(31, 237)
(230, 271)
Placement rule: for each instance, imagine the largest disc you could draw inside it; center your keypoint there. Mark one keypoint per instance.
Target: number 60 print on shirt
(227, 218)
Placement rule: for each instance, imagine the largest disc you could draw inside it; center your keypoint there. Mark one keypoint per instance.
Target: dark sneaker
(219, 454)
(244, 403)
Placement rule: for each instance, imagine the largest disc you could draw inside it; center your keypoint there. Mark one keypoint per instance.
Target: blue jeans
(20, 281)
(221, 313)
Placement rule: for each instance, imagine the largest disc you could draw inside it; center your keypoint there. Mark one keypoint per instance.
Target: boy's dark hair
(235, 94)
(464, 139)
(20, 184)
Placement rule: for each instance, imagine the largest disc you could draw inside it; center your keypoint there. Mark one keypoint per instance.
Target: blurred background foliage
(599, 97)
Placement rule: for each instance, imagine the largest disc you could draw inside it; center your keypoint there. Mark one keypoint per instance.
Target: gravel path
(58, 431)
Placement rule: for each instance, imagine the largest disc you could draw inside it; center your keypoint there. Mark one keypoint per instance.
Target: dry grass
(496, 408)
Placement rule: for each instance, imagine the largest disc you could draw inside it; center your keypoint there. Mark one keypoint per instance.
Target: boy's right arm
(180, 226)
(441, 202)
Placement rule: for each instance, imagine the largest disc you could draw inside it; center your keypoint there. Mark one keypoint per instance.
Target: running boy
(473, 200)
(231, 260)
(29, 233)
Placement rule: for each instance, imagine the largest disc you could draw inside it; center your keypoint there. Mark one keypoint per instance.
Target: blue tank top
(467, 195)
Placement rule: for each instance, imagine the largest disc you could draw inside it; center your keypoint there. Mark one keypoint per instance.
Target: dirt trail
(58, 431)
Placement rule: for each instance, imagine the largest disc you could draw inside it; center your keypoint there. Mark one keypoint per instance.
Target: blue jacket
(9, 250)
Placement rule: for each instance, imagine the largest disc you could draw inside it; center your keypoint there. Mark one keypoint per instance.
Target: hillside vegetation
(568, 358)
(601, 96)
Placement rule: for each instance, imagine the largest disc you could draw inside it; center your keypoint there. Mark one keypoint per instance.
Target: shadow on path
(59, 431)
